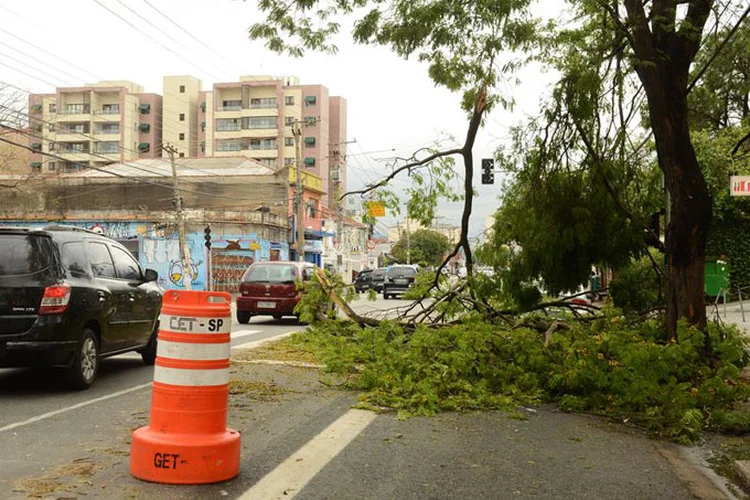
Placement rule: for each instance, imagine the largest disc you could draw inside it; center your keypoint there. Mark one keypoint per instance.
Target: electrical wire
(147, 35)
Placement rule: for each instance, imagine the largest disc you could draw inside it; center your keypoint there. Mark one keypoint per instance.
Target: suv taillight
(55, 299)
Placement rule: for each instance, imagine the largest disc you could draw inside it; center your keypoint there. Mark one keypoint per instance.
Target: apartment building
(93, 125)
(254, 117)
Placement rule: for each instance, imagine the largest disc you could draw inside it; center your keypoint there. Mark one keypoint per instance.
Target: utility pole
(300, 209)
(187, 272)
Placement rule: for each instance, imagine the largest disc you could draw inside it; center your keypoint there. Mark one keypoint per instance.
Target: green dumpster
(717, 277)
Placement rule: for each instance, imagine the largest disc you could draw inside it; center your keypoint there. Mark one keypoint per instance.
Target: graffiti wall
(158, 249)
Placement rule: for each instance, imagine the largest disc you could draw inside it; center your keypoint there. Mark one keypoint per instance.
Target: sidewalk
(732, 314)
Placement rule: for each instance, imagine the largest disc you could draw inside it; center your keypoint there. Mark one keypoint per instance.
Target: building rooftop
(186, 167)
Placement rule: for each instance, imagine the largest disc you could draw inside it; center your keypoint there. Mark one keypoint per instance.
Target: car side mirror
(151, 275)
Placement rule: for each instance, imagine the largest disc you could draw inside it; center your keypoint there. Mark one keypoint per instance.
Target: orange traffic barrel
(187, 440)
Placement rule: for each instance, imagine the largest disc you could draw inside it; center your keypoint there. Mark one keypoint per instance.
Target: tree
(462, 44)
(427, 248)
(14, 160)
(722, 96)
(658, 40)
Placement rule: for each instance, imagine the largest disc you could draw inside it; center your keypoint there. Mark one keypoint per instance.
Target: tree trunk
(691, 207)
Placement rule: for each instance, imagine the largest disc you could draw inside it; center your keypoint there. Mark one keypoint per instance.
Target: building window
(110, 109)
(53, 109)
(182, 89)
(182, 155)
(228, 124)
(288, 161)
(76, 109)
(263, 103)
(309, 142)
(51, 127)
(289, 100)
(257, 144)
(107, 147)
(260, 122)
(109, 128)
(288, 141)
(289, 120)
(51, 145)
(232, 105)
(269, 162)
(229, 145)
(182, 117)
(310, 100)
(310, 121)
(182, 136)
(51, 166)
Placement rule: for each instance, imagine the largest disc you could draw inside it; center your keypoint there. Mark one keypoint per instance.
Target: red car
(270, 289)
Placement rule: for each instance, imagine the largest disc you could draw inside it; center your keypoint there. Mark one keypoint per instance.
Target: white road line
(288, 479)
(45, 416)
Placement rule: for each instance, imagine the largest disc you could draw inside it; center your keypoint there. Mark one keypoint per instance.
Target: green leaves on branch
(611, 367)
(459, 41)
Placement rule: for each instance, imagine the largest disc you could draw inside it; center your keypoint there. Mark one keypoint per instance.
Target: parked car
(270, 289)
(398, 279)
(363, 283)
(69, 297)
(377, 278)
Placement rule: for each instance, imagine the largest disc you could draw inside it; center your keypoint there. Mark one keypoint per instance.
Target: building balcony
(69, 136)
(259, 111)
(107, 116)
(74, 156)
(72, 117)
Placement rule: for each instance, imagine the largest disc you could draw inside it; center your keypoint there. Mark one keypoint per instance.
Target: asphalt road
(301, 438)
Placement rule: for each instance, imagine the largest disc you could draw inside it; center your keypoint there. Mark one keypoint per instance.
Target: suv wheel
(148, 354)
(243, 317)
(83, 372)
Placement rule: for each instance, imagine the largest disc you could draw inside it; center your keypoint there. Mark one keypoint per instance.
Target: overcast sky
(392, 102)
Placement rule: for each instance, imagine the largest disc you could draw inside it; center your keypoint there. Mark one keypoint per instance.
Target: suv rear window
(25, 254)
(405, 272)
(270, 273)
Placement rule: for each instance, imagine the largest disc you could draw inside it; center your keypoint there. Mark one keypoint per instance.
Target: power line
(32, 57)
(47, 52)
(188, 33)
(163, 32)
(169, 49)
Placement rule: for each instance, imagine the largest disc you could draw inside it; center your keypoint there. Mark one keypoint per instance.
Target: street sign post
(739, 185)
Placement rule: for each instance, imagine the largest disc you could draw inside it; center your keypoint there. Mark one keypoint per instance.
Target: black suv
(68, 297)
(362, 283)
(376, 279)
(398, 279)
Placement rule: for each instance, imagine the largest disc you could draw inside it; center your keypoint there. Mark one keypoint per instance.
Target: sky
(393, 106)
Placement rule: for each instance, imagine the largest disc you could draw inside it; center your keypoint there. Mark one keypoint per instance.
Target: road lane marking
(50, 414)
(288, 479)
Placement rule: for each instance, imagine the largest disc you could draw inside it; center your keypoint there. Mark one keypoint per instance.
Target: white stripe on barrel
(181, 376)
(195, 324)
(193, 352)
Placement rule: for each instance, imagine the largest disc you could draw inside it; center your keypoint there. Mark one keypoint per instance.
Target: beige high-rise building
(93, 125)
(180, 114)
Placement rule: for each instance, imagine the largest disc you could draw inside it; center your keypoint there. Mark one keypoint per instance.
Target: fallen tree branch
(556, 325)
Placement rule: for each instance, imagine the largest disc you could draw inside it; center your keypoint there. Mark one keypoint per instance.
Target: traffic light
(207, 237)
(488, 171)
